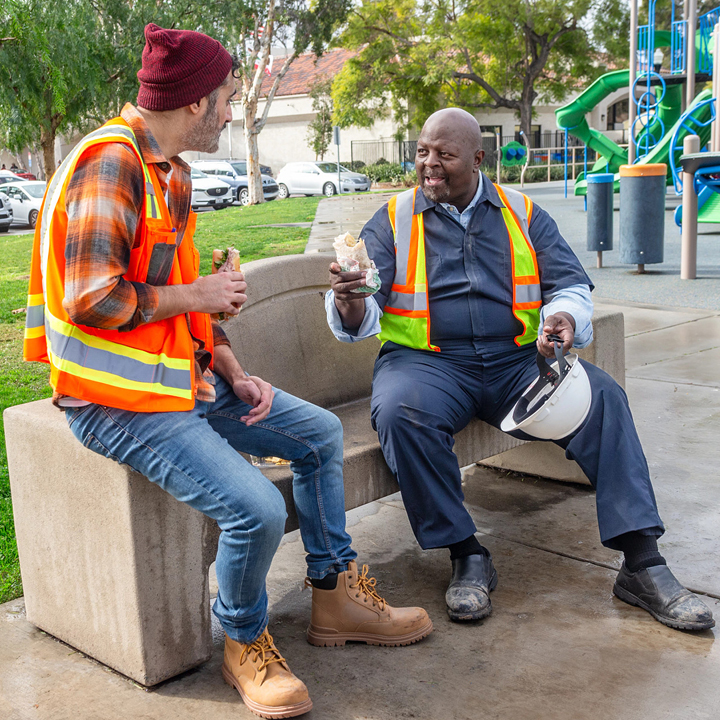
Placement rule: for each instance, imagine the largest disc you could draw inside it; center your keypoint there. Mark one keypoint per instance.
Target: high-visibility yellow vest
(148, 369)
(406, 316)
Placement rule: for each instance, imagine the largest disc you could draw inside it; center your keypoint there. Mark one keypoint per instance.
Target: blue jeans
(193, 456)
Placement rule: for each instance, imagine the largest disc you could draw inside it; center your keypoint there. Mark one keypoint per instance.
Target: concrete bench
(117, 568)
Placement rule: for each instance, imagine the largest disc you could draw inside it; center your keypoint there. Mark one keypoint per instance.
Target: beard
(205, 136)
(437, 194)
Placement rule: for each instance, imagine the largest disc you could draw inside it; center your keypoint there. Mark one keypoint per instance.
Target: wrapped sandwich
(352, 257)
(227, 260)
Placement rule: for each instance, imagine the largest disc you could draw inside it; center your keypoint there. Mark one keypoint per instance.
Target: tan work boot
(354, 611)
(262, 677)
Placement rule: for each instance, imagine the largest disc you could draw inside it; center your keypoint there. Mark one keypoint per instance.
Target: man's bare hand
(258, 394)
(562, 324)
(343, 282)
(220, 293)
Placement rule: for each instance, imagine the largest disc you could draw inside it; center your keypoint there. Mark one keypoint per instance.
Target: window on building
(617, 114)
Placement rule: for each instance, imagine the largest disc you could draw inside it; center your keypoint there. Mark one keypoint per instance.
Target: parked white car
(319, 178)
(25, 200)
(209, 192)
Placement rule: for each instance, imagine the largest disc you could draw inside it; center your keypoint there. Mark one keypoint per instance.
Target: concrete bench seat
(117, 568)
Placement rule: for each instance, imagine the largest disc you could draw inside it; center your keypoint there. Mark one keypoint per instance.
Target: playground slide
(708, 207)
(572, 118)
(661, 152)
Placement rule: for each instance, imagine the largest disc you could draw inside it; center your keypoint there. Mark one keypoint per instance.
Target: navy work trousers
(420, 399)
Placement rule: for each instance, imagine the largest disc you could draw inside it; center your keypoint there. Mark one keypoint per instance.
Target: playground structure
(658, 125)
(662, 134)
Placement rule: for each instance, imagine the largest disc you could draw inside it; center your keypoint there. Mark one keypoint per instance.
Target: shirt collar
(151, 152)
(486, 192)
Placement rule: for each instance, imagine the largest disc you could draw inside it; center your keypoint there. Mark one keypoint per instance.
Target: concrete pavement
(558, 645)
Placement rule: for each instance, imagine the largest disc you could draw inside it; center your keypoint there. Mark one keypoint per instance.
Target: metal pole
(548, 152)
(498, 141)
(633, 75)
(338, 158)
(688, 248)
(715, 143)
(691, 6)
(230, 150)
(566, 160)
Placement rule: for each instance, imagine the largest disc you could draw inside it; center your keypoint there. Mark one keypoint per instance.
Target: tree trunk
(252, 153)
(47, 144)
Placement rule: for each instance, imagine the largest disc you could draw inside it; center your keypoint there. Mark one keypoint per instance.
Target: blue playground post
(566, 154)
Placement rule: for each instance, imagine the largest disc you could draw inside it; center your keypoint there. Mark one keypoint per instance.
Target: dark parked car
(226, 171)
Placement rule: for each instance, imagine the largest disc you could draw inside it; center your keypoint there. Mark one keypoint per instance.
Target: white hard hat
(556, 403)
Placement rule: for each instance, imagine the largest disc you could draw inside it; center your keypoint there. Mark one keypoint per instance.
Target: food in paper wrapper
(227, 260)
(352, 257)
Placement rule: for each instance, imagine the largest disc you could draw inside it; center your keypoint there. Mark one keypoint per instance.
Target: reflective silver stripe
(407, 301)
(149, 189)
(527, 293)
(403, 228)
(153, 207)
(516, 201)
(74, 350)
(54, 190)
(35, 316)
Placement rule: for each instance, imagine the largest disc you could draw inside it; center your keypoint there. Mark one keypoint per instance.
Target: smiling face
(448, 157)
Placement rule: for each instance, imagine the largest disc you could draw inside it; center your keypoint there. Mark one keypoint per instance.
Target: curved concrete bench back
(117, 568)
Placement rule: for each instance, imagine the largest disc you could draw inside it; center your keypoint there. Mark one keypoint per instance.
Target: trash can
(642, 214)
(600, 192)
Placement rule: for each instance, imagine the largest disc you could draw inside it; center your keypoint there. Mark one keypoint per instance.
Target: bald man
(460, 334)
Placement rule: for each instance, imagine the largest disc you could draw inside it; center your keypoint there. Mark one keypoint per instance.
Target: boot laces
(264, 648)
(366, 585)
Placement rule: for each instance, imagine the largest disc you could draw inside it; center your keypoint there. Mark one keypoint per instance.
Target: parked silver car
(25, 199)
(319, 178)
(208, 191)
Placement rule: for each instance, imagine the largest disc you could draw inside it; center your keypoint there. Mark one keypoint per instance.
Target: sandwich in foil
(352, 257)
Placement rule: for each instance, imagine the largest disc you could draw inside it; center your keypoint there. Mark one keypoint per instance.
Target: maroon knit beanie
(179, 67)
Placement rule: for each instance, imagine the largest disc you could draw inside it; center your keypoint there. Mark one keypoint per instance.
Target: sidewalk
(558, 645)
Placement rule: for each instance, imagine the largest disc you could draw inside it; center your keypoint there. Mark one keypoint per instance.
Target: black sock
(329, 582)
(468, 546)
(641, 551)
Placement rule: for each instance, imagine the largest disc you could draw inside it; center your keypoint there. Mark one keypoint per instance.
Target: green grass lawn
(22, 382)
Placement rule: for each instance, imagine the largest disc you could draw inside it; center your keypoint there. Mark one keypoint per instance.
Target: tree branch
(500, 101)
(271, 95)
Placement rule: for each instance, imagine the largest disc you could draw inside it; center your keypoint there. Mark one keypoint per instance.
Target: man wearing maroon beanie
(146, 378)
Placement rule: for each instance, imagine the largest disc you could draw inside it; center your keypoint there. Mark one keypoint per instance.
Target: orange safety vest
(148, 369)
(406, 316)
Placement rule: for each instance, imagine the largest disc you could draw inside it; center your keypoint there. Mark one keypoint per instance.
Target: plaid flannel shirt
(104, 202)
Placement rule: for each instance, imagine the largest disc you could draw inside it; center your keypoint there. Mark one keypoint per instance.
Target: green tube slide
(611, 155)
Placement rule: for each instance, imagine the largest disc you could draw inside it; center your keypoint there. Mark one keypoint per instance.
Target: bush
(532, 175)
(410, 179)
(354, 166)
(385, 172)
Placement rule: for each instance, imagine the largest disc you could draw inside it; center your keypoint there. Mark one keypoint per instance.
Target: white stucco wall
(284, 137)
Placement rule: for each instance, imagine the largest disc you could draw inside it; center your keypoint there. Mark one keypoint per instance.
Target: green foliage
(416, 56)
(385, 172)
(319, 133)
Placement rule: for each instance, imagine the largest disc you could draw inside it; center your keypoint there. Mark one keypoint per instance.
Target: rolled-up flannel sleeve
(219, 336)
(104, 202)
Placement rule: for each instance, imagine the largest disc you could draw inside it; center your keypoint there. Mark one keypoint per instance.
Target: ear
(198, 108)
(477, 160)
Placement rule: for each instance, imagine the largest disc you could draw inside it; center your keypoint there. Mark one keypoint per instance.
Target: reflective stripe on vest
(87, 356)
(149, 368)
(527, 293)
(406, 316)
(106, 133)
